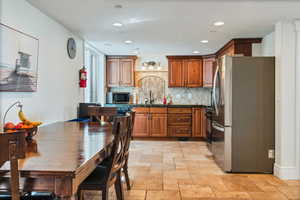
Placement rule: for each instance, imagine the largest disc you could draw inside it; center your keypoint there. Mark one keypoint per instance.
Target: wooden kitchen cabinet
(176, 77)
(141, 125)
(199, 123)
(179, 122)
(208, 72)
(179, 131)
(185, 71)
(197, 71)
(112, 72)
(169, 122)
(127, 72)
(158, 125)
(239, 46)
(193, 72)
(150, 122)
(120, 70)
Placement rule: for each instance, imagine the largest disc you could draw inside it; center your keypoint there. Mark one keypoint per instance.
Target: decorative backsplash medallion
(155, 84)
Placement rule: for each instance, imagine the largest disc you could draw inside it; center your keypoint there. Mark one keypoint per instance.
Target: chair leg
(125, 170)
(80, 194)
(105, 193)
(119, 187)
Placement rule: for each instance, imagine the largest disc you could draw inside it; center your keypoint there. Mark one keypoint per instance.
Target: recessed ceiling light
(219, 23)
(128, 42)
(195, 52)
(117, 24)
(204, 41)
(118, 6)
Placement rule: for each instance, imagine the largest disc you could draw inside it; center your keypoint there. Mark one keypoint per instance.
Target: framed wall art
(18, 60)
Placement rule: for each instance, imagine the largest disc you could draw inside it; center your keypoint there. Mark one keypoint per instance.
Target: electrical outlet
(271, 153)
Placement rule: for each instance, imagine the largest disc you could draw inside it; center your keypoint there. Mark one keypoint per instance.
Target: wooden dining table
(61, 156)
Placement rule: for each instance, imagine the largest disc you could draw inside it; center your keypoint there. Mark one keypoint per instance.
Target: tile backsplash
(200, 96)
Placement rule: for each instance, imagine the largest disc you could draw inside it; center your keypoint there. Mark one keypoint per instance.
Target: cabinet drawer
(176, 131)
(140, 109)
(180, 110)
(180, 120)
(158, 110)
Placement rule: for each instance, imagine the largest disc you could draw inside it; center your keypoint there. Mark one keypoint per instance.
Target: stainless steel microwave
(118, 97)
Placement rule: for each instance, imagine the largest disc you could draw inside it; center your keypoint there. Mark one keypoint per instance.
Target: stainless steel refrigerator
(243, 127)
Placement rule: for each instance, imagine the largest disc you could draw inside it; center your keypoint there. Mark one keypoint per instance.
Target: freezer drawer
(221, 146)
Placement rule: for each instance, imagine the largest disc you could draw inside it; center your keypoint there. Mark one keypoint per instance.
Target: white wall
(58, 93)
(287, 50)
(268, 45)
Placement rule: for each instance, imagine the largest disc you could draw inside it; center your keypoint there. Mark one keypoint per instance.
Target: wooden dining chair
(93, 113)
(12, 148)
(131, 115)
(108, 113)
(98, 112)
(104, 176)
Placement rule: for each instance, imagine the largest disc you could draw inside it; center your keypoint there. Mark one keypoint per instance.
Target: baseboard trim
(286, 173)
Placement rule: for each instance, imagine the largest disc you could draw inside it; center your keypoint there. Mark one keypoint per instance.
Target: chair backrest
(93, 112)
(12, 148)
(108, 111)
(15, 140)
(117, 157)
(98, 112)
(131, 115)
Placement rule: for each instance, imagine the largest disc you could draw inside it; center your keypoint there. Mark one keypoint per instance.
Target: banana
(24, 119)
(36, 123)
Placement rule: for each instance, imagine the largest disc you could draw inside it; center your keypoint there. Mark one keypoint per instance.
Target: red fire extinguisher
(82, 77)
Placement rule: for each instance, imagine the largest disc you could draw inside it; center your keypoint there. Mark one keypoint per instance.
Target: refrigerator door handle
(214, 91)
(217, 127)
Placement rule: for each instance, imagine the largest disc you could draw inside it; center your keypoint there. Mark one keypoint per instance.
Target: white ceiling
(167, 26)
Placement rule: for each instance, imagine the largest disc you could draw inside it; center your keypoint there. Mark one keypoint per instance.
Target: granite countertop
(158, 105)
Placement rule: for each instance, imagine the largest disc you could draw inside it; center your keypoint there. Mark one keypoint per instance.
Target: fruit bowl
(29, 132)
(29, 127)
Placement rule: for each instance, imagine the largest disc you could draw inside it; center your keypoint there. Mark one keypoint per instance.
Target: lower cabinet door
(176, 131)
(141, 125)
(158, 125)
(199, 123)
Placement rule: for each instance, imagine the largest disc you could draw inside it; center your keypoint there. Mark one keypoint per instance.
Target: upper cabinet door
(112, 71)
(208, 72)
(126, 72)
(176, 78)
(193, 72)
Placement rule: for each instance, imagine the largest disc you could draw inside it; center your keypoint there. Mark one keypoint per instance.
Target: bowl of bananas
(29, 127)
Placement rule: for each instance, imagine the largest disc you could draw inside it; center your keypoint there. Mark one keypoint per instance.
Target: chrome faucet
(151, 98)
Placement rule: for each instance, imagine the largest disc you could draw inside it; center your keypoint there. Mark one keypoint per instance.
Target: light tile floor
(162, 170)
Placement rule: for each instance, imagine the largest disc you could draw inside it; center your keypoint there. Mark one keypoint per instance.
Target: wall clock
(71, 47)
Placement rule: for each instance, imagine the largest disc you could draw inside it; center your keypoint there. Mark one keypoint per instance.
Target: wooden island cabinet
(153, 122)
